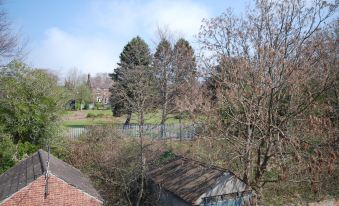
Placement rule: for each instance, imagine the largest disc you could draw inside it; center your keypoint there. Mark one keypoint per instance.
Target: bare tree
(139, 94)
(78, 86)
(272, 69)
(9, 41)
(74, 78)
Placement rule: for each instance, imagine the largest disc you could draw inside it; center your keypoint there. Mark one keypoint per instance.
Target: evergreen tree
(185, 74)
(184, 62)
(135, 56)
(164, 74)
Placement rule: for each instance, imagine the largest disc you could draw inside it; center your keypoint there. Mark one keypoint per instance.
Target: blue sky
(90, 34)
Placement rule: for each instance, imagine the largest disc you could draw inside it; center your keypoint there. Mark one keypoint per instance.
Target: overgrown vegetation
(113, 162)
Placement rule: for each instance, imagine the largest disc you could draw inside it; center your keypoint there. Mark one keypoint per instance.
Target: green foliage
(10, 153)
(135, 53)
(99, 105)
(91, 115)
(135, 56)
(7, 152)
(83, 94)
(94, 115)
(168, 154)
(163, 51)
(184, 65)
(30, 103)
(25, 148)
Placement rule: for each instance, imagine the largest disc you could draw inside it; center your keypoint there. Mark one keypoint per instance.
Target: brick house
(100, 87)
(42, 179)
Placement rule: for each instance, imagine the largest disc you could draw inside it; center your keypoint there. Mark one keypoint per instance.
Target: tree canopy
(135, 60)
(30, 103)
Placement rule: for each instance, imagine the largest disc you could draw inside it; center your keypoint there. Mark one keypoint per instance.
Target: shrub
(91, 115)
(100, 115)
(7, 152)
(113, 163)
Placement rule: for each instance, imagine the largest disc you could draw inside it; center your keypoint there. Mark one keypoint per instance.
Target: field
(102, 117)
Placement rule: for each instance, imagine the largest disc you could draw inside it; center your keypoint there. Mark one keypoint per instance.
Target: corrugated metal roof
(35, 166)
(186, 178)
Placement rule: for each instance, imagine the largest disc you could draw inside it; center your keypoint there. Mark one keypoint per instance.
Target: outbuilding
(181, 182)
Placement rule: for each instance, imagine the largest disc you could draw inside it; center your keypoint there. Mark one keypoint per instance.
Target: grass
(80, 119)
(85, 122)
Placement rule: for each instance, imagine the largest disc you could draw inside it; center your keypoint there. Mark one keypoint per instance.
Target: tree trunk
(180, 127)
(128, 119)
(142, 119)
(163, 120)
(142, 158)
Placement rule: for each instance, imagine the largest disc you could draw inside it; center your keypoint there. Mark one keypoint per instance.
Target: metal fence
(165, 131)
(75, 132)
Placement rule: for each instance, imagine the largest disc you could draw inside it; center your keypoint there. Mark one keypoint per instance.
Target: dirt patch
(76, 115)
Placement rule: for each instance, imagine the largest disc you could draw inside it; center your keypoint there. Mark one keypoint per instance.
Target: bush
(99, 105)
(25, 148)
(91, 115)
(7, 152)
(113, 163)
(10, 153)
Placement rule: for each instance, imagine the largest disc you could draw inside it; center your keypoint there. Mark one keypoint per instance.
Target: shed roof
(187, 178)
(35, 166)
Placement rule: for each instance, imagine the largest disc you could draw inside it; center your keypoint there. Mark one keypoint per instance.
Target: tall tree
(184, 66)
(163, 61)
(185, 74)
(135, 86)
(276, 68)
(135, 56)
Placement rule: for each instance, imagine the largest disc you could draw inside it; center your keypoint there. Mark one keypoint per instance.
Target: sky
(90, 34)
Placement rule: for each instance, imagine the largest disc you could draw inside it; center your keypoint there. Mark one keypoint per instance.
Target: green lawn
(85, 122)
(80, 119)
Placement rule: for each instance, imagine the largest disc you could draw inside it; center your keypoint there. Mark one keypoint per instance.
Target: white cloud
(99, 34)
(61, 50)
(143, 17)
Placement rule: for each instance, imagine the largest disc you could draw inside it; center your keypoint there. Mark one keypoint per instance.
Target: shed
(42, 179)
(182, 181)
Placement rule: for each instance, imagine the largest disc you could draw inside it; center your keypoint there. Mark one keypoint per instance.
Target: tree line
(145, 81)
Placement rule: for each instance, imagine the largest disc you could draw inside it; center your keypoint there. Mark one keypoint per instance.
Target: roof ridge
(205, 164)
(17, 163)
(41, 152)
(42, 160)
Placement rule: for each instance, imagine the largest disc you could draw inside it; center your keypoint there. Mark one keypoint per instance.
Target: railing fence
(165, 131)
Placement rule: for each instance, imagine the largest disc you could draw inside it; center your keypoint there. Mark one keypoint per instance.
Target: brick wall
(60, 193)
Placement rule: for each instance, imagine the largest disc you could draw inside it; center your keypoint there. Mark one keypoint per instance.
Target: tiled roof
(35, 166)
(186, 178)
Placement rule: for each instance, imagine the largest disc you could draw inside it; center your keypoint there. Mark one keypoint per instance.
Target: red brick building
(43, 180)
(100, 85)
